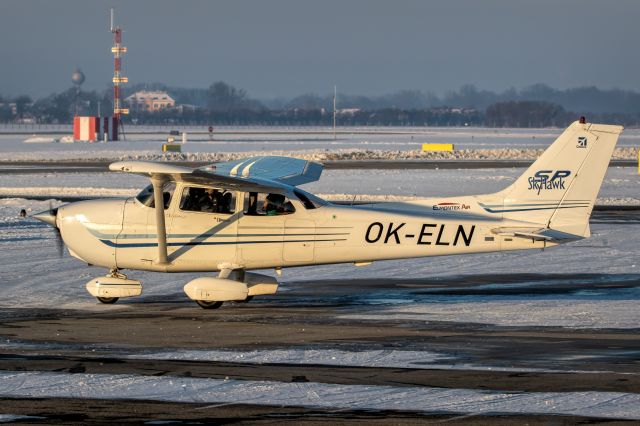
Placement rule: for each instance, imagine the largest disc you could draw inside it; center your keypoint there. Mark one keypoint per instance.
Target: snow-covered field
(357, 143)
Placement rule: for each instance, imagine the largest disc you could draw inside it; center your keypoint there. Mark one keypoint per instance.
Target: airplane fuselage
(121, 234)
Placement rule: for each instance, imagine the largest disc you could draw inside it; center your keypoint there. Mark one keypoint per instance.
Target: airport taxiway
(133, 337)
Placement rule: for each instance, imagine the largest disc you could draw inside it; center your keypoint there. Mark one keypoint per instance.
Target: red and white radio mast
(118, 50)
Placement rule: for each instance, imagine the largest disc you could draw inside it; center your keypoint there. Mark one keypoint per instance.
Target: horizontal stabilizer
(537, 234)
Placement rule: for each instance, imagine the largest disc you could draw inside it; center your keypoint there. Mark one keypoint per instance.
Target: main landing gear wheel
(108, 300)
(208, 305)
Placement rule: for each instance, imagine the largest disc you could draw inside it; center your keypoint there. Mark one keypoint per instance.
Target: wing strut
(161, 230)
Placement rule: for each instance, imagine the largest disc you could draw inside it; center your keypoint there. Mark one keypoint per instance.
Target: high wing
(287, 170)
(254, 174)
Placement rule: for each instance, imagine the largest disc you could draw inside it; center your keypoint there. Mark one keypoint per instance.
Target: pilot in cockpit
(275, 204)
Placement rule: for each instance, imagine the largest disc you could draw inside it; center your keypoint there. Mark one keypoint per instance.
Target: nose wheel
(208, 305)
(108, 300)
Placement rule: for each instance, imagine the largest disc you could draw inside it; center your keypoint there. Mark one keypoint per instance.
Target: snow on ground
(534, 311)
(474, 137)
(12, 418)
(307, 355)
(114, 154)
(317, 144)
(614, 405)
(361, 358)
(388, 358)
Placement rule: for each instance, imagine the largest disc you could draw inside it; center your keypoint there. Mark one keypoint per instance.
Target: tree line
(223, 104)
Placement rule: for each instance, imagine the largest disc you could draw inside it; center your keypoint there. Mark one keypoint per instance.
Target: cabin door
(204, 227)
(299, 236)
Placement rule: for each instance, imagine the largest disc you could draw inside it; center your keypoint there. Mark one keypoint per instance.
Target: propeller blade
(49, 217)
(59, 242)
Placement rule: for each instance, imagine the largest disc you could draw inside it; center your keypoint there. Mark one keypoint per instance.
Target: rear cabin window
(263, 204)
(208, 200)
(146, 195)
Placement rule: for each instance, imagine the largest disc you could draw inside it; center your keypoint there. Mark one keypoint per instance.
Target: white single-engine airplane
(248, 214)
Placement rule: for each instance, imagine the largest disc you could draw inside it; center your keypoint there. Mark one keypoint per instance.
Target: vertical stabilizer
(559, 190)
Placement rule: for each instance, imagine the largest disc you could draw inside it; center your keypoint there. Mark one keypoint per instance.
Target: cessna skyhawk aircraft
(248, 214)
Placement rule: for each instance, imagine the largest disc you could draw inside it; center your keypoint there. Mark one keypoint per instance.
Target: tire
(209, 305)
(248, 299)
(108, 300)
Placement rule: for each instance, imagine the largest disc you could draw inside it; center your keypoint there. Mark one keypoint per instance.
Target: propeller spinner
(50, 217)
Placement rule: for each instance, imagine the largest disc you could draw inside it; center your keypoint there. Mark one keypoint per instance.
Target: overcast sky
(276, 48)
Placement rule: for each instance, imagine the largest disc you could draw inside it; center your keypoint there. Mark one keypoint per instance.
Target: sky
(283, 48)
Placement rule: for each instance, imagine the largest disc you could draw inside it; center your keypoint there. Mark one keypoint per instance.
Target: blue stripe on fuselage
(208, 243)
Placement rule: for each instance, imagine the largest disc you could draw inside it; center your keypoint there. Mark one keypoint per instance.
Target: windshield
(146, 195)
(309, 201)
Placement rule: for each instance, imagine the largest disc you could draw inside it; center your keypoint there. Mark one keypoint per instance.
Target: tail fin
(559, 190)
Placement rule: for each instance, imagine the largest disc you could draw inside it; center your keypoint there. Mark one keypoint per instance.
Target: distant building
(150, 101)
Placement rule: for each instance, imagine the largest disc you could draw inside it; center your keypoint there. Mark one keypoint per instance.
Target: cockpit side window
(146, 195)
(208, 200)
(261, 204)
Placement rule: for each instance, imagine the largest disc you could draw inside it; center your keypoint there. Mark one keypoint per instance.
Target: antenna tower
(335, 111)
(118, 50)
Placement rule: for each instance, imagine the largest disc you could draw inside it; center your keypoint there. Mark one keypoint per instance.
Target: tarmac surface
(520, 359)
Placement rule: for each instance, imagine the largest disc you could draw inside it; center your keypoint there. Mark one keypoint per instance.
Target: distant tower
(335, 111)
(118, 50)
(77, 78)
